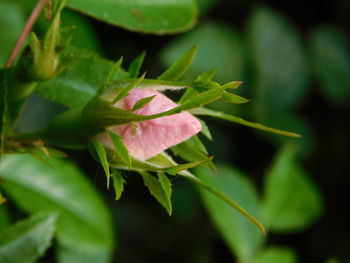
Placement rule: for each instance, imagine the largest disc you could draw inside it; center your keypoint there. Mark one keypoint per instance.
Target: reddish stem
(26, 30)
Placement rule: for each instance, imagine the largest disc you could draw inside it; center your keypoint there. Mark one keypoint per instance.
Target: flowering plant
(128, 122)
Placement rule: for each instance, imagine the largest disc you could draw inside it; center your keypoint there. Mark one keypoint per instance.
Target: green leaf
(84, 224)
(219, 47)
(240, 235)
(135, 66)
(120, 148)
(79, 81)
(142, 102)
(11, 19)
(156, 189)
(276, 254)
(118, 183)
(179, 67)
(281, 70)
(278, 86)
(159, 17)
(292, 202)
(330, 54)
(224, 116)
(28, 239)
(102, 156)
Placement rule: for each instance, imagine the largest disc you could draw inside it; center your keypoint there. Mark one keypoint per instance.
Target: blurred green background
(294, 59)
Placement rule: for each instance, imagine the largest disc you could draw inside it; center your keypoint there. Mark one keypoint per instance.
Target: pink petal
(154, 136)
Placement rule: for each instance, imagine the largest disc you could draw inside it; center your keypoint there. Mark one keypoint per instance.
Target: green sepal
(100, 114)
(158, 163)
(191, 152)
(202, 99)
(162, 162)
(102, 156)
(227, 97)
(202, 86)
(118, 183)
(179, 67)
(195, 141)
(45, 56)
(166, 184)
(120, 148)
(135, 66)
(228, 117)
(189, 93)
(205, 129)
(160, 85)
(111, 74)
(233, 98)
(207, 76)
(142, 102)
(232, 85)
(125, 91)
(203, 78)
(176, 169)
(192, 178)
(156, 189)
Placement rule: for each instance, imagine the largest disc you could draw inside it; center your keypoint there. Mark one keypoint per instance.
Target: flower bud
(148, 138)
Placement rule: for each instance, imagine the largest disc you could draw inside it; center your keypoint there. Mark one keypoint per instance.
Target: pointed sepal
(102, 156)
(118, 183)
(180, 66)
(135, 66)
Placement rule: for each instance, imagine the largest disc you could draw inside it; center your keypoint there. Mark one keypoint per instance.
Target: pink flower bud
(154, 136)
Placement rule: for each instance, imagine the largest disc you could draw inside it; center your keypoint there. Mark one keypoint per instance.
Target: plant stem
(26, 30)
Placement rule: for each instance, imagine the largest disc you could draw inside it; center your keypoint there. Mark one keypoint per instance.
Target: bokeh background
(294, 60)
